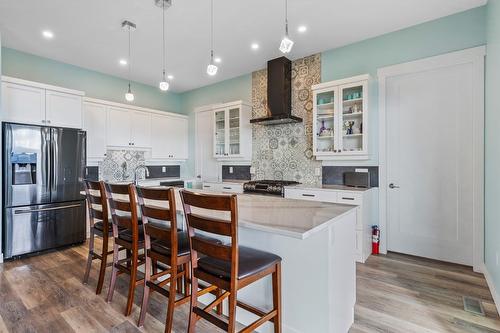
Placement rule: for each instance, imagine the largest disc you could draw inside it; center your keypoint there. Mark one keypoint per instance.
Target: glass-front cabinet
(340, 116)
(233, 132)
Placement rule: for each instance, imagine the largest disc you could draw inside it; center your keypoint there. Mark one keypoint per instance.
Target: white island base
(318, 268)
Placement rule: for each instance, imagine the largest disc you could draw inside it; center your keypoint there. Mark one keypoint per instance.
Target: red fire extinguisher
(375, 239)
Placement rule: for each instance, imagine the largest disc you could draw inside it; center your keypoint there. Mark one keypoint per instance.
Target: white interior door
(206, 165)
(430, 161)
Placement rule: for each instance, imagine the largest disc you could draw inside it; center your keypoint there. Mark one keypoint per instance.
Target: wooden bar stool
(99, 226)
(127, 235)
(228, 266)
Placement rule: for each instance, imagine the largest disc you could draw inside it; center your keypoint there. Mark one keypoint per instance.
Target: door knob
(392, 185)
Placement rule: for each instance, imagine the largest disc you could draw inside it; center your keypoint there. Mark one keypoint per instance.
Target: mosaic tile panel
(284, 152)
(119, 165)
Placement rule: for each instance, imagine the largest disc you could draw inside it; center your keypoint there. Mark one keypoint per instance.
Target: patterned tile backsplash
(284, 152)
(119, 165)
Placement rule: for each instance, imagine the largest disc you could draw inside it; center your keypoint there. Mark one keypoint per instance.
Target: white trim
(352, 79)
(473, 55)
(220, 105)
(491, 285)
(132, 107)
(16, 80)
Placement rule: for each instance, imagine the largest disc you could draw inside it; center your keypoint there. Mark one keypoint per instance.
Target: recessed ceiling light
(254, 46)
(217, 60)
(302, 28)
(170, 77)
(48, 34)
(123, 62)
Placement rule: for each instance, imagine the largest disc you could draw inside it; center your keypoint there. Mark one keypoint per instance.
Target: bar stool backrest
(123, 206)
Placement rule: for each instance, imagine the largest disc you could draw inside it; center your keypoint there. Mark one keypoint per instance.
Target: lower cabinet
(366, 212)
(223, 187)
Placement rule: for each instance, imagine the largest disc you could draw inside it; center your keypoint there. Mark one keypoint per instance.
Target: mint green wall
(492, 143)
(239, 88)
(98, 85)
(451, 33)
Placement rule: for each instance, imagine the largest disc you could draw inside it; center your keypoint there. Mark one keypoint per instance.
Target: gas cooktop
(273, 187)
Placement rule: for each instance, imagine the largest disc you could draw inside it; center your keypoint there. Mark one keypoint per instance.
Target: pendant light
(286, 43)
(163, 83)
(212, 67)
(129, 96)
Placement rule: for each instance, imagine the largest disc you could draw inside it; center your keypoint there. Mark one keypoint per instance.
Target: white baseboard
(491, 285)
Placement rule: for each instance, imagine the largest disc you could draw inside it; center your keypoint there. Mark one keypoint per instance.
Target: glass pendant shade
(129, 96)
(212, 69)
(286, 44)
(164, 85)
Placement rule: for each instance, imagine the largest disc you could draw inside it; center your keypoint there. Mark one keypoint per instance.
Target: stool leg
(193, 304)
(129, 255)
(218, 308)
(90, 257)
(102, 270)
(114, 273)
(133, 279)
(232, 312)
(145, 295)
(171, 299)
(277, 297)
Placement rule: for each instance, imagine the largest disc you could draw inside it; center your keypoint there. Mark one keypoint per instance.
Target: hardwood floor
(396, 293)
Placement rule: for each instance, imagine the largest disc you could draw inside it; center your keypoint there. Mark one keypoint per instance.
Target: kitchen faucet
(137, 168)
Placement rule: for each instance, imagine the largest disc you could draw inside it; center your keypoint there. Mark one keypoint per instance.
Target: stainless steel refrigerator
(42, 179)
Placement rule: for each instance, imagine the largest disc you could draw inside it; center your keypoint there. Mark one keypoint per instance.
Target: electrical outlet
(361, 170)
(252, 170)
(163, 169)
(317, 172)
(230, 169)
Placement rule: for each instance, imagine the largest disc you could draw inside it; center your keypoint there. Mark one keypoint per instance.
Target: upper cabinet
(40, 104)
(170, 135)
(340, 119)
(162, 135)
(232, 131)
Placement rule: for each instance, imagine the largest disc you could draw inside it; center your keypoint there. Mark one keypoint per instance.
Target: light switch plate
(164, 169)
(230, 169)
(317, 172)
(361, 170)
(252, 170)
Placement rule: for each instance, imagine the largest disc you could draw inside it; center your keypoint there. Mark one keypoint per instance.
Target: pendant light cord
(212, 30)
(286, 17)
(163, 35)
(129, 57)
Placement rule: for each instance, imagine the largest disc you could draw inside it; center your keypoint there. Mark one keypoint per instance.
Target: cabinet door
(326, 112)
(234, 130)
(23, 104)
(178, 137)
(160, 145)
(118, 127)
(94, 122)
(352, 118)
(140, 129)
(220, 133)
(63, 110)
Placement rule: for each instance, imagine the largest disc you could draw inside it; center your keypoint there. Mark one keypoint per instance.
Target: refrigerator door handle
(29, 211)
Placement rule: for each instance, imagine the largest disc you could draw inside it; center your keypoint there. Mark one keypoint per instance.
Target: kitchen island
(317, 243)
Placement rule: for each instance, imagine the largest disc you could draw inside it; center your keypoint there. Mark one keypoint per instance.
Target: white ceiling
(88, 33)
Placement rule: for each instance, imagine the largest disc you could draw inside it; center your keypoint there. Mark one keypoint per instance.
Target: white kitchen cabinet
(94, 123)
(232, 132)
(23, 104)
(63, 110)
(223, 187)
(36, 103)
(118, 127)
(340, 119)
(140, 130)
(366, 212)
(169, 137)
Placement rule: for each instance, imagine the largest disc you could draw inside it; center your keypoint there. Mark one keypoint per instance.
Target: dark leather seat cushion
(100, 226)
(126, 235)
(251, 261)
(162, 247)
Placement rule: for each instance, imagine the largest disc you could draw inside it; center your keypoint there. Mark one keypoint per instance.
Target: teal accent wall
(492, 143)
(239, 88)
(451, 33)
(95, 84)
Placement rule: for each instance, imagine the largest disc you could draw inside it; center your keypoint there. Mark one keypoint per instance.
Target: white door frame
(476, 57)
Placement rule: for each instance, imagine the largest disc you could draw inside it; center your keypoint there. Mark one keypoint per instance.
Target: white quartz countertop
(226, 181)
(288, 217)
(328, 187)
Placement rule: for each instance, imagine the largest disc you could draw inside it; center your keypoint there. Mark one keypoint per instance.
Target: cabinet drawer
(312, 195)
(215, 187)
(231, 188)
(349, 198)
